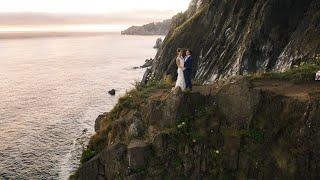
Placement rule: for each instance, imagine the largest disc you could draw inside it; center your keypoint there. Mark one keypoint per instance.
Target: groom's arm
(189, 63)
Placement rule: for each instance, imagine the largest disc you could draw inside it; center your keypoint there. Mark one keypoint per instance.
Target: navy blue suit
(187, 72)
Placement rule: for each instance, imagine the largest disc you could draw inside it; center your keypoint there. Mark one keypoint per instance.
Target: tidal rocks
(158, 43)
(147, 63)
(112, 92)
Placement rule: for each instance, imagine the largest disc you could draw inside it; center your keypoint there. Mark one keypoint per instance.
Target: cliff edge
(257, 127)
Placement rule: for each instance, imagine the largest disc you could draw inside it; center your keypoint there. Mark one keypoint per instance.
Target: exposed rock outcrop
(158, 43)
(237, 129)
(112, 92)
(148, 63)
(236, 37)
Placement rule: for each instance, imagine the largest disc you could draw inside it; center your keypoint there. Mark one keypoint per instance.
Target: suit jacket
(188, 63)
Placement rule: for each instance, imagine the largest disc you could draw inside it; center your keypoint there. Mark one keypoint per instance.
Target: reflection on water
(53, 88)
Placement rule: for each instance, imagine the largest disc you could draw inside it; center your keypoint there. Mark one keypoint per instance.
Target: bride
(180, 63)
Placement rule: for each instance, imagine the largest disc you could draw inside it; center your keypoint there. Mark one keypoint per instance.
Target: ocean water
(51, 89)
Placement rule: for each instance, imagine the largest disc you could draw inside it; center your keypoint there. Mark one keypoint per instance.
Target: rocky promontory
(158, 28)
(257, 127)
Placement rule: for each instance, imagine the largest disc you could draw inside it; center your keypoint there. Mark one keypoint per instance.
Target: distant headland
(158, 28)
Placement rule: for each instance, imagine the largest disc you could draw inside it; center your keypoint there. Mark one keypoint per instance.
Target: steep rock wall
(232, 37)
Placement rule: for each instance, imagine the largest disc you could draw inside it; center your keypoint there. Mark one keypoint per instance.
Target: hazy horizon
(84, 15)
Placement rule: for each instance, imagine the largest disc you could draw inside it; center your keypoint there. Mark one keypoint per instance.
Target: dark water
(53, 88)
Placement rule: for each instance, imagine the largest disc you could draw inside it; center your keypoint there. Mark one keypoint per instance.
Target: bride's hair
(178, 51)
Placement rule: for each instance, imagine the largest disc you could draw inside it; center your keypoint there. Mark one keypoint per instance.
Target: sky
(33, 14)
(91, 6)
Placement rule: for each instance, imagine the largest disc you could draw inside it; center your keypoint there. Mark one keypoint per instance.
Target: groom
(187, 70)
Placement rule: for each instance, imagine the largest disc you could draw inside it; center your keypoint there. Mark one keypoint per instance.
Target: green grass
(300, 74)
(153, 84)
(87, 154)
(132, 100)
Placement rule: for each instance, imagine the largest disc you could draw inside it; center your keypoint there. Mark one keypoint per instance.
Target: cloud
(127, 18)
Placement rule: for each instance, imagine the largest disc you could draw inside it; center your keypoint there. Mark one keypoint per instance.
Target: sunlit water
(53, 88)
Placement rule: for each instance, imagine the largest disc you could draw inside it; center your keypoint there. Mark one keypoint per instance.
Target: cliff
(256, 127)
(237, 37)
(159, 28)
(258, 120)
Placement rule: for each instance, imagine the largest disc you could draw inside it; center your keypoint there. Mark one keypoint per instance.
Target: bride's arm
(178, 62)
(182, 65)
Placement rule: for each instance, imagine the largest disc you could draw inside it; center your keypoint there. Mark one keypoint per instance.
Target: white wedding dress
(180, 80)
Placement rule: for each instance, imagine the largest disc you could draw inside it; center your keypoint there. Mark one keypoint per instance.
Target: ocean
(51, 91)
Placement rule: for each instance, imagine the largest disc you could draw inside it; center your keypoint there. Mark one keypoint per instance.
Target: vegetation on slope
(302, 73)
(132, 100)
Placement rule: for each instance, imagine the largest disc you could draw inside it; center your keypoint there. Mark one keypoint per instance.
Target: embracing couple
(184, 63)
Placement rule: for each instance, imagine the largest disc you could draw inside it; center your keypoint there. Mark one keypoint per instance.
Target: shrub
(99, 140)
(87, 154)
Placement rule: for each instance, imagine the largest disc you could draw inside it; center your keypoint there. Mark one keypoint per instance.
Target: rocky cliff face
(239, 129)
(236, 37)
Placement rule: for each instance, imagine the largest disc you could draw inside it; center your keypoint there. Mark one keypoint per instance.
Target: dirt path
(299, 91)
(285, 88)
